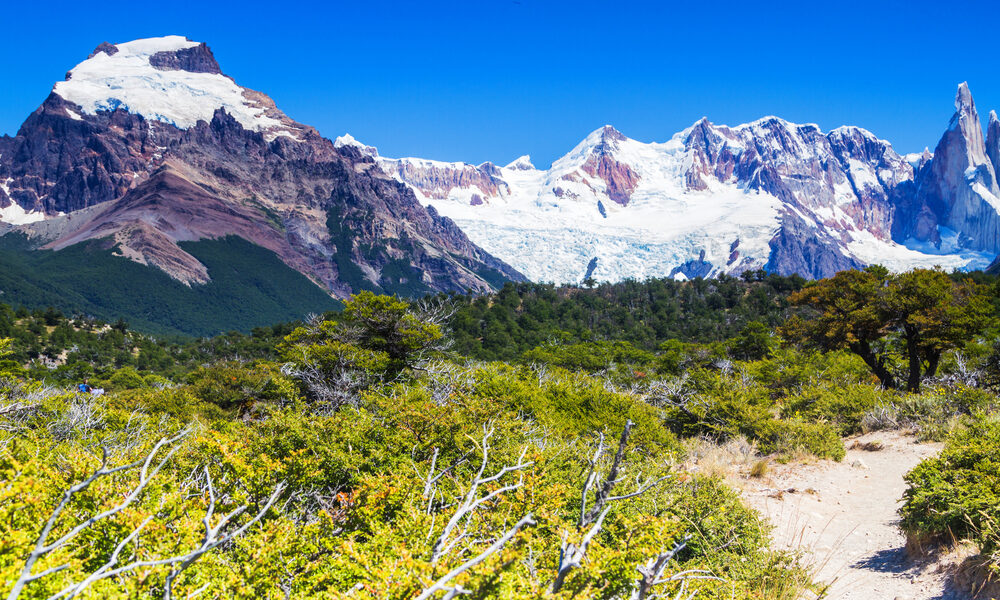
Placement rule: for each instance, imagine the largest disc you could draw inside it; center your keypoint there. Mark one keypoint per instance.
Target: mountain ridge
(796, 200)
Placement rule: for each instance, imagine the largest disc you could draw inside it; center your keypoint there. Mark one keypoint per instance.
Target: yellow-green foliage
(935, 413)
(126, 378)
(842, 406)
(240, 387)
(376, 335)
(355, 518)
(724, 406)
(591, 357)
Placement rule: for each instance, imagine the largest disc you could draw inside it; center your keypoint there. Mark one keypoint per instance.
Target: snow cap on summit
(169, 79)
(521, 163)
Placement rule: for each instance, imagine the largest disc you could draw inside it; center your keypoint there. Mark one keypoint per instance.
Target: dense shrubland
(259, 486)
(371, 453)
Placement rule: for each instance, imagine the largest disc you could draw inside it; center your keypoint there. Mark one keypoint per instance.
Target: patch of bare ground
(843, 516)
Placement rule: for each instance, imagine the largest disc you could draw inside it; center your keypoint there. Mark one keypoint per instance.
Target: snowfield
(127, 80)
(553, 222)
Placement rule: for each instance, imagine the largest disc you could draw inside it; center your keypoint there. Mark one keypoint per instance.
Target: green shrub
(237, 387)
(788, 437)
(756, 341)
(126, 378)
(178, 403)
(843, 407)
(956, 495)
(589, 357)
(935, 412)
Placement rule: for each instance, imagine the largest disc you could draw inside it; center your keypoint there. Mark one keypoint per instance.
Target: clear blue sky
(492, 79)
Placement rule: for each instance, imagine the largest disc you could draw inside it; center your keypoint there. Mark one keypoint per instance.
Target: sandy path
(844, 516)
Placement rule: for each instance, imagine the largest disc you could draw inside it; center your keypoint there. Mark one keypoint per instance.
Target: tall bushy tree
(881, 317)
(375, 339)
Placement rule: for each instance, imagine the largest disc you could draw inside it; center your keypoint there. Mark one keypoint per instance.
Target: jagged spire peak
(963, 99)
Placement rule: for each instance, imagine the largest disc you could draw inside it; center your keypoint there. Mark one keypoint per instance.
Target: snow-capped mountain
(147, 144)
(713, 199)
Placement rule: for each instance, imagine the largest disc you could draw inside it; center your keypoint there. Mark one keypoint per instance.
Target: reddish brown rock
(437, 180)
(619, 177)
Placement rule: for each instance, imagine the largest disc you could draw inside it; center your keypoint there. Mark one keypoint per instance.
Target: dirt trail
(844, 516)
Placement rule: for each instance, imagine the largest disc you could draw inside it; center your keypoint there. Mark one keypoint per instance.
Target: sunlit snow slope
(138, 77)
(713, 199)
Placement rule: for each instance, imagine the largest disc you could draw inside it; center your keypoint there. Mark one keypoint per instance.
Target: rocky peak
(961, 153)
(619, 178)
(609, 134)
(603, 141)
(702, 135)
(106, 48)
(490, 169)
(168, 79)
(958, 188)
(347, 141)
(993, 142)
(521, 163)
(966, 122)
(196, 59)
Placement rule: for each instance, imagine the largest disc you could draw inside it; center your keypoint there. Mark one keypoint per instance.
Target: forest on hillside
(540, 442)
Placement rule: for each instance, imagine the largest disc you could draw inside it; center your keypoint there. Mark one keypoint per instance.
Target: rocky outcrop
(105, 48)
(61, 162)
(437, 180)
(842, 180)
(198, 59)
(619, 178)
(993, 142)
(693, 268)
(799, 248)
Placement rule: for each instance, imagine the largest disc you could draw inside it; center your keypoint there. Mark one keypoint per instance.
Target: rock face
(993, 142)
(437, 179)
(716, 199)
(197, 59)
(60, 162)
(958, 188)
(619, 179)
(159, 147)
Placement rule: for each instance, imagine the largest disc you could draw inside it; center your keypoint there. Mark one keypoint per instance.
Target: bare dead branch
(442, 583)
(472, 500)
(149, 467)
(43, 546)
(604, 491)
(572, 555)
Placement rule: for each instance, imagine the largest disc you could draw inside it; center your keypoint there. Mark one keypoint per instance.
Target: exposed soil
(843, 517)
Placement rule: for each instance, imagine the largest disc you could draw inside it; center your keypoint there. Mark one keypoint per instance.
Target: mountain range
(150, 184)
(774, 195)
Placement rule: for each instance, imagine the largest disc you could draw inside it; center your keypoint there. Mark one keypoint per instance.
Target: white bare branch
(472, 500)
(149, 467)
(442, 583)
(572, 555)
(649, 573)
